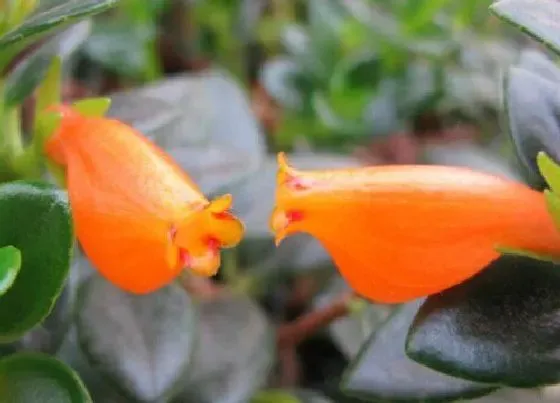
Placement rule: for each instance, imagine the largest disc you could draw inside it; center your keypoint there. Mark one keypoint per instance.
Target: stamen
(296, 183)
(184, 258)
(172, 233)
(214, 244)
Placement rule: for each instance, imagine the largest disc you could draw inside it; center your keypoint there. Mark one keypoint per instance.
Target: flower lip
(282, 223)
(286, 216)
(201, 235)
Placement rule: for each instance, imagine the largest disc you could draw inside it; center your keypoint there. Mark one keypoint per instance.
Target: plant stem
(229, 266)
(308, 324)
(11, 127)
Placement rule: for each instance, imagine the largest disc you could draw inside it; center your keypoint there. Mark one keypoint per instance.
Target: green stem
(229, 266)
(21, 161)
(13, 143)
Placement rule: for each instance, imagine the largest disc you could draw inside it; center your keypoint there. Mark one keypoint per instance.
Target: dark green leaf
(10, 263)
(234, 355)
(31, 71)
(469, 155)
(47, 19)
(100, 390)
(502, 326)
(35, 218)
(38, 378)
(421, 90)
(532, 106)
(47, 337)
(538, 18)
(351, 332)
(382, 372)
(324, 107)
(120, 47)
(204, 121)
(142, 342)
(279, 77)
(471, 92)
(381, 114)
(358, 71)
(539, 63)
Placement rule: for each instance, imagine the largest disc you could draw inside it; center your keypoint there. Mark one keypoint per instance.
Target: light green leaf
(550, 171)
(30, 72)
(93, 107)
(46, 19)
(10, 263)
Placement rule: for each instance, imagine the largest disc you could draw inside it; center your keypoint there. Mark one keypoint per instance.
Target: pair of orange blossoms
(396, 233)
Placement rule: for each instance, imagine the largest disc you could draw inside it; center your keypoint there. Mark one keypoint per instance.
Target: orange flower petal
(401, 232)
(139, 218)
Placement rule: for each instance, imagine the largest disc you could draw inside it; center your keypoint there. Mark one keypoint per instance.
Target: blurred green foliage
(342, 72)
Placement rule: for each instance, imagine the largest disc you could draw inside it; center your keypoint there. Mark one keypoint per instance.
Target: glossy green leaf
(31, 71)
(10, 263)
(38, 378)
(35, 218)
(502, 326)
(382, 372)
(550, 170)
(93, 107)
(143, 343)
(47, 19)
(538, 18)
(48, 336)
(532, 105)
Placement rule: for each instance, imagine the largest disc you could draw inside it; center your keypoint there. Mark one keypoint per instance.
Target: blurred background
(223, 85)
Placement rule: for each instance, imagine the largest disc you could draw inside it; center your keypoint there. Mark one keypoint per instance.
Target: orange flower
(397, 233)
(139, 218)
